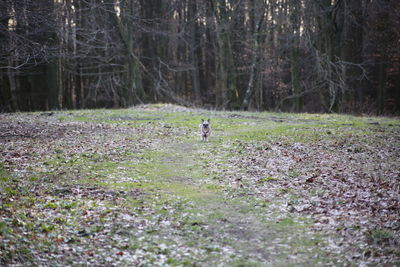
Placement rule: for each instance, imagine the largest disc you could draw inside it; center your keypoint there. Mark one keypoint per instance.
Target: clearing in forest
(137, 187)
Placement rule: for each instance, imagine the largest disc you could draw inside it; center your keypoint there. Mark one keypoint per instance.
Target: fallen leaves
(344, 181)
(79, 192)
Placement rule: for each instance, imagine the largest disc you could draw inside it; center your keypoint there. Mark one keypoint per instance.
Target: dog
(205, 130)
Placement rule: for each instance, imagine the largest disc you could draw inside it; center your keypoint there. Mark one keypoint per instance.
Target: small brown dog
(205, 130)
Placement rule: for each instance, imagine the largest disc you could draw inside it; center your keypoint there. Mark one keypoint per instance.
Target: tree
(331, 56)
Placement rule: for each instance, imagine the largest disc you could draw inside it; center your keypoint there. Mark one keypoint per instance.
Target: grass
(136, 187)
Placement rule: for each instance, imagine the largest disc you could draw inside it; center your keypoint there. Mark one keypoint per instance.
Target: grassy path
(136, 187)
(234, 231)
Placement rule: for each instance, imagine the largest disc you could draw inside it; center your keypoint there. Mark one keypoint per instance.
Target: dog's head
(205, 124)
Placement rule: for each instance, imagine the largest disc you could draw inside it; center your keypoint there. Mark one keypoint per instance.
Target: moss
(4, 175)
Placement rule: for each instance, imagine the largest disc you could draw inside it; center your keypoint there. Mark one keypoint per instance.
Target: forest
(199, 133)
(336, 56)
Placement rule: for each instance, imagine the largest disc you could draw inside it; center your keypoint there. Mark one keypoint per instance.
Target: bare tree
(332, 56)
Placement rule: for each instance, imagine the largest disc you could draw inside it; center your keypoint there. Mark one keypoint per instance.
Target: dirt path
(239, 231)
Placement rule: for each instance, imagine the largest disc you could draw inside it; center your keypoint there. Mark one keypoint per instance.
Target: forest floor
(136, 187)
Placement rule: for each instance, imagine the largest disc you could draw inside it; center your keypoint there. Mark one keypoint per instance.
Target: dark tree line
(289, 55)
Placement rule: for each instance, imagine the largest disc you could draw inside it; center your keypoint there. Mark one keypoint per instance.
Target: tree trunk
(295, 57)
(351, 53)
(256, 22)
(134, 92)
(224, 58)
(13, 87)
(193, 48)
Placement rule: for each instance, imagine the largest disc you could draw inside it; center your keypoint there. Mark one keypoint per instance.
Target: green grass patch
(173, 200)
